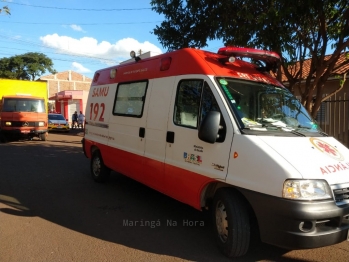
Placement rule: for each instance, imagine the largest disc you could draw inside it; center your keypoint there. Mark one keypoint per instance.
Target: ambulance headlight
(306, 190)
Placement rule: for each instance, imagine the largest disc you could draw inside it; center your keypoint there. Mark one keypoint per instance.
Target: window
(194, 100)
(263, 107)
(24, 105)
(188, 103)
(130, 99)
(56, 117)
(208, 102)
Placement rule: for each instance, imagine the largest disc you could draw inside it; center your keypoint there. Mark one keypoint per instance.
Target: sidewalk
(77, 131)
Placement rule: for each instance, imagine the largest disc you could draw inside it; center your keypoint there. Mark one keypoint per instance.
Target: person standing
(81, 120)
(74, 120)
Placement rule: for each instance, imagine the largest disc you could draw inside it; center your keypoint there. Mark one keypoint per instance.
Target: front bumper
(58, 128)
(23, 131)
(299, 224)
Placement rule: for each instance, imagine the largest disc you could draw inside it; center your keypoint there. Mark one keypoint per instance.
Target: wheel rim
(221, 221)
(96, 166)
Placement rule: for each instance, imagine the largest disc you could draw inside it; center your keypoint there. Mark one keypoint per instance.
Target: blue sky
(78, 35)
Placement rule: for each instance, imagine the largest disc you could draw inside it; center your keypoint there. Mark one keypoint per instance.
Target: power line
(38, 23)
(81, 9)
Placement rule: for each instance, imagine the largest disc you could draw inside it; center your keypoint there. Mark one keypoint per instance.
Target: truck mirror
(208, 130)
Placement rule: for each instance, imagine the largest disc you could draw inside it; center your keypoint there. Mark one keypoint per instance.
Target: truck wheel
(3, 138)
(99, 171)
(231, 223)
(42, 136)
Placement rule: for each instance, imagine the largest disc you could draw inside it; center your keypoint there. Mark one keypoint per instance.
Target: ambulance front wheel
(231, 223)
(99, 171)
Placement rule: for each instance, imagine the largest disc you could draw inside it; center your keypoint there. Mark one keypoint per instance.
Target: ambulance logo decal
(191, 158)
(327, 149)
(218, 167)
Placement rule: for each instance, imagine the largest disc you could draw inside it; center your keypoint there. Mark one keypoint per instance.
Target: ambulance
(216, 131)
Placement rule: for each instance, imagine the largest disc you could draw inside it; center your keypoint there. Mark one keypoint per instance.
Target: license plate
(59, 127)
(25, 131)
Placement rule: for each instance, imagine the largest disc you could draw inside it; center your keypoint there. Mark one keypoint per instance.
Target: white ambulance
(214, 131)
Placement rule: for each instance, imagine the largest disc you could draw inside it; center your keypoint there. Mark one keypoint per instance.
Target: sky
(81, 35)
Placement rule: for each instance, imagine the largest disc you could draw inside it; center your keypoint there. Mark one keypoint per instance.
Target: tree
(28, 66)
(298, 30)
(6, 10)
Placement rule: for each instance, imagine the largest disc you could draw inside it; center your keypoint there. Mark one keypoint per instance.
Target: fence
(333, 117)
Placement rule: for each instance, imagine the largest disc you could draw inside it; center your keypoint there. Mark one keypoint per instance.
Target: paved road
(51, 210)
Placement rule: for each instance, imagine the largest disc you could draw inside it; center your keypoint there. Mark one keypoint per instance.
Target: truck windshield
(23, 105)
(264, 107)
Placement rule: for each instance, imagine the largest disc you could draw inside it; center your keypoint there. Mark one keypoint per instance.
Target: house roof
(306, 67)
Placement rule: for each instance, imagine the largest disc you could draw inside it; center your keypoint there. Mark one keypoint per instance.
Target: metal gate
(333, 117)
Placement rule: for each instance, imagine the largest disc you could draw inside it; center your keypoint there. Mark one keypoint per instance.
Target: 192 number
(94, 111)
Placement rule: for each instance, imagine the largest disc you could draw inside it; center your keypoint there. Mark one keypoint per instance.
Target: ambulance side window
(187, 103)
(193, 101)
(209, 103)
(129, 99)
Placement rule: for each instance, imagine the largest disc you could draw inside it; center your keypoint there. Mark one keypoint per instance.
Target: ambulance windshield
(264, 107)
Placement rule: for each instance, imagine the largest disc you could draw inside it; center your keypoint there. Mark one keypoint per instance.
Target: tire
(100, 173)
(231, 223)
(42, 136)
(3, 138)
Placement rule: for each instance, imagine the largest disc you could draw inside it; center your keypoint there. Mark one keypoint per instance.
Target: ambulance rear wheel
(231, 223)
(99, 171)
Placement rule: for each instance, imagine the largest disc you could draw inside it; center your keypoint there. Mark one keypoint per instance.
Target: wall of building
(67, 91)
(67, 80)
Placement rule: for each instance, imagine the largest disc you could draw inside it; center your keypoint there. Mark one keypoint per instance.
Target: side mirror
(208, 130)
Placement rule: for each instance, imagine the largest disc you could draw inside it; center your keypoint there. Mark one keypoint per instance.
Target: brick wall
(67, 80)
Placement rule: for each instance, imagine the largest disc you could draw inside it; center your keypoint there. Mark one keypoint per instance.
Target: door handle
(170, 137)
(141, 132)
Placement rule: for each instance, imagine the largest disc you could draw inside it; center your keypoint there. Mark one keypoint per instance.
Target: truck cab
(23, 116)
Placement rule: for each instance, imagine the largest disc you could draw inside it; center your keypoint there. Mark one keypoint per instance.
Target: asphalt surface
(51, 210)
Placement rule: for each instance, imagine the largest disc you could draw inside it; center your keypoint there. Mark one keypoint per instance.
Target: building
(67, 92)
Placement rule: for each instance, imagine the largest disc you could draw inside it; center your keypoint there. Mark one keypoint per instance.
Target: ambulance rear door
(156, 129)
(97, 113)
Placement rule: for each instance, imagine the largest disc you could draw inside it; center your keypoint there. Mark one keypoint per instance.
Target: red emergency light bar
(271, 59)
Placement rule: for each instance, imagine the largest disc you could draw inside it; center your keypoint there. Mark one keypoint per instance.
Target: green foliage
(276, 25)
(5, 10)
(28, 66)
(298, 30)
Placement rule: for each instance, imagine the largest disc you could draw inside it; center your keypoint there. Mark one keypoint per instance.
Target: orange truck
(23, 109)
